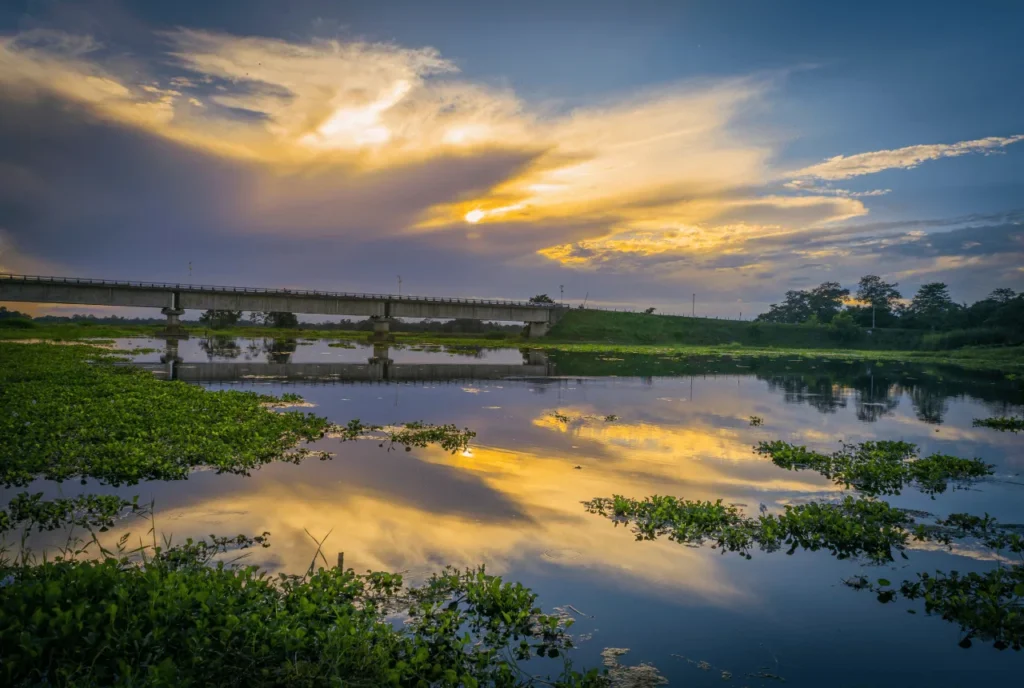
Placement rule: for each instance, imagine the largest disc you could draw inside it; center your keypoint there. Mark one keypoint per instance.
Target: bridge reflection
(378, 368)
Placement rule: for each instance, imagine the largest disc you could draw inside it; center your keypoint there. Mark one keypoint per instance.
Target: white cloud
(847, 166)
(811, 187)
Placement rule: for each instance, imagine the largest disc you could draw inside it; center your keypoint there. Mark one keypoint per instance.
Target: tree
(278, 319)
(932, 307)
(1003, 295)
(795, 309)
(6, 314)
(218, 319)
(881, 295)
(826, 300)
(541, 298)
(648, 311)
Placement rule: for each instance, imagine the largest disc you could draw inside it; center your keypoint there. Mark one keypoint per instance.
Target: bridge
(174, 299)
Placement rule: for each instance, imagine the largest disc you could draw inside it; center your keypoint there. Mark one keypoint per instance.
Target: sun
(474, 216)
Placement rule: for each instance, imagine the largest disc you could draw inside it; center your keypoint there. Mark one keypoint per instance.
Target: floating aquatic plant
(882, 467)
(852, 527)
(72, 412)
(30, 511)
(416, 434)
(1001, 423)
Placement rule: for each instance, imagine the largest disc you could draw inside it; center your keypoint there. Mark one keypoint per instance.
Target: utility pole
(693, 307)
(399, 285)
(561, 294)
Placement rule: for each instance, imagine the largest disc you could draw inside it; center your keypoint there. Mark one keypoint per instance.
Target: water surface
(681, 427)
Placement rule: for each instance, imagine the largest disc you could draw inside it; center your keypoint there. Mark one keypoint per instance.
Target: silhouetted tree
(820, 304)
(541, 298)
(932, 307)
(878, 294)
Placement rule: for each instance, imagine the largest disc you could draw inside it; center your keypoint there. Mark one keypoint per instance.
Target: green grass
(638, 328)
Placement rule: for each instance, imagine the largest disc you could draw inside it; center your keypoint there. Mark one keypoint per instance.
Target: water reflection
(379, 367)
(545, 444)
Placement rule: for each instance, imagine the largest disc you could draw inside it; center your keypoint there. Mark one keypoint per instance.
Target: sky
(632, 154)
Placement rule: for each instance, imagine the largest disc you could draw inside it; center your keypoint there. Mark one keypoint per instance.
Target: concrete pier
(381, 329)
(173, 329)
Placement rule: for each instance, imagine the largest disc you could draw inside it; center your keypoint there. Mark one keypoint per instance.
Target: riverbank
(1008, 359)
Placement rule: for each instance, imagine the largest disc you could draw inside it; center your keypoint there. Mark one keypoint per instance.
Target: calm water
(513, 501)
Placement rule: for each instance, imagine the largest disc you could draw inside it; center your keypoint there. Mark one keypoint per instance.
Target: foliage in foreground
(882, 467)
(1001, 423)
(176, 617)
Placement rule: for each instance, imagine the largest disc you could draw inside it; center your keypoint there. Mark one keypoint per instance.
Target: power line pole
(693, 307)
(561, 294)
(399, 285)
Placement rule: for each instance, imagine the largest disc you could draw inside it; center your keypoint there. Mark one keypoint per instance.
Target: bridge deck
(268, 291)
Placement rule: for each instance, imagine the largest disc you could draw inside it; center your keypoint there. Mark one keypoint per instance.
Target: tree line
(877, 303)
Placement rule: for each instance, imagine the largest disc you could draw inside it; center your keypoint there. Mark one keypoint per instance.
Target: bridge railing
(85, 281)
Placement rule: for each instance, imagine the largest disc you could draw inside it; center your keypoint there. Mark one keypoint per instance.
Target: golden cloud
(351, 129)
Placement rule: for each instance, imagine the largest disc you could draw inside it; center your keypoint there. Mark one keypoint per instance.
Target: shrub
(844, 328)
(17, 324)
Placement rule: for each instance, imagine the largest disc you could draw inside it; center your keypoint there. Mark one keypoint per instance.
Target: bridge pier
(173, 328)
(381, 329)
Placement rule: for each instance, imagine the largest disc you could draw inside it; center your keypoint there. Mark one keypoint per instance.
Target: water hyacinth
(882, 467)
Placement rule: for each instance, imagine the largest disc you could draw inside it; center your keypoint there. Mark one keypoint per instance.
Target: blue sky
(634, 152)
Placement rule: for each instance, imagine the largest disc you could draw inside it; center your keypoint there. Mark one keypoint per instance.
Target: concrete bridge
(174, 299)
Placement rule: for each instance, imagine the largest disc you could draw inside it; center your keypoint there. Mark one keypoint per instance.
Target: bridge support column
(173, 328)
(381, 329)
(537, 329)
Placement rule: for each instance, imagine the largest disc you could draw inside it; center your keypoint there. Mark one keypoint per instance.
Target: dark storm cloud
(98, 198)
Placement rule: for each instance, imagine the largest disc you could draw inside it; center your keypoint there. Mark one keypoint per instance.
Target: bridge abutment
(537, 329)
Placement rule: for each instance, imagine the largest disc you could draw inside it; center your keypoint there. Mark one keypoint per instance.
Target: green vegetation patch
(882, 467)
(72, 412)
(416, 434)
(1001, 423)
(853, 527)
(176, 617)
(27, 511)
(986, 605)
